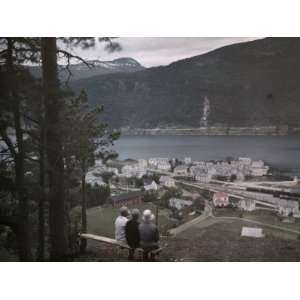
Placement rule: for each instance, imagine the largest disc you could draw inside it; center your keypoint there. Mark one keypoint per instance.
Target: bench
(110, 241)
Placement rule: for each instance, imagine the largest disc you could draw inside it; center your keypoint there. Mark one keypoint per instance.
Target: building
(259, 171)
(187, 160)
(201, 173)
(220, 199)
(245, 160)
(247, 204)
(153, 162)
(287, 208)
(167, 181)
(163, 166)
(133, 171)
(113, 170)
(257, 164)
(179, 204)
(181, 170)
(126, 199)
(93, 180)
(143, 163)
(151, 186)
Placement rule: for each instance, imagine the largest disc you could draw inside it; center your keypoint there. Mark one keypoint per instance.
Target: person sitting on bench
(120, 224)
(149, 235)
(132, 233)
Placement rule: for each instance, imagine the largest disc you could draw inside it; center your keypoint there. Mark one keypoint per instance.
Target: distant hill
(81, 70)
(255, 83)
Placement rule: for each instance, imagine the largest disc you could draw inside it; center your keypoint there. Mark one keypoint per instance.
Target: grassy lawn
(101, 219)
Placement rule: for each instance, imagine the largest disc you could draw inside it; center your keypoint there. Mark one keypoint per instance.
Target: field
(101, 219)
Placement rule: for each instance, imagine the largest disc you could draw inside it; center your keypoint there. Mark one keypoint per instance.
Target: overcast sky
(160, 51)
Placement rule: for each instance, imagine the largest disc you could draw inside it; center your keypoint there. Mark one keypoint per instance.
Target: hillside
(248, 84)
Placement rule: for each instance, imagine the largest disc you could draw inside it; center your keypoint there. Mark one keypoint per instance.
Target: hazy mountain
(246, 84)
(98, 67)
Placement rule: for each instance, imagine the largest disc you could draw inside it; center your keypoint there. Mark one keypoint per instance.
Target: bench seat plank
(111, 241)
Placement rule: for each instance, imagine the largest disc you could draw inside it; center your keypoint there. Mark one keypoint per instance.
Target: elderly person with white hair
(149, 235)
(120, 224)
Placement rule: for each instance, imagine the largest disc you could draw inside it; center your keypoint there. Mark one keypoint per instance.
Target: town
(181, 190)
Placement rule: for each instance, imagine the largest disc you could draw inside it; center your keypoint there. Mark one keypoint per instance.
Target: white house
(259, 171)
(179, 204)
(133, 171)
(143, 163)
(167, 181)
(93, 180)
(153, 162)
(247, 204)
(245, 160)
(201, 173)
(151, 187)
(257, 164)
(113, 170)
(163, 166)
(187, 160)
(287, 207)
(181, 170)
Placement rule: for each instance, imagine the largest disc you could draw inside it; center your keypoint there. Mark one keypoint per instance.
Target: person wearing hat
(149, 235)
(132, 232)
(120, 224)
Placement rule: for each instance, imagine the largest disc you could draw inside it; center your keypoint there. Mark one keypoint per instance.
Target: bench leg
(131, 254)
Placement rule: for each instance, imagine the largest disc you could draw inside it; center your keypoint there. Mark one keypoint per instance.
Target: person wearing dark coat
(132, 233)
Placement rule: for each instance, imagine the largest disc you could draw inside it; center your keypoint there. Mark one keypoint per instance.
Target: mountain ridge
(97, 68)
(248, 84)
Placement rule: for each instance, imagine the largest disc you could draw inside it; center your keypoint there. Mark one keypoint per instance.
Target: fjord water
(282, 152)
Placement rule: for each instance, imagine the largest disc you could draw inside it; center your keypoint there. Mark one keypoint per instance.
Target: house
(257, 164)
(296, 214)
(133, 171)
(201, 174)
(113, 170)
(126, 199)
(153, 162)
(179, 204)
(181, 170)
(240, 176)
(245, 160)
(163, 166)
(151, 186)
(287, 208)
(220, 199)
(259, 171)
(247, 204)
(93, 180)
(187, 160)
(167, 181)
(143, 163)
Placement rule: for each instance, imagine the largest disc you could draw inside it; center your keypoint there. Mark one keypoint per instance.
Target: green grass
(101, 219)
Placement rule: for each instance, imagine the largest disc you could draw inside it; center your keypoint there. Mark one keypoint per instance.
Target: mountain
(81, 70)
(247, 84)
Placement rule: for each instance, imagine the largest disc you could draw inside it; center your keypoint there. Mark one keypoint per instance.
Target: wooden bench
(110, 241)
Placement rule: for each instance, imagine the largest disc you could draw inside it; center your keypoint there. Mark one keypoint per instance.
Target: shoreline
(215, 131)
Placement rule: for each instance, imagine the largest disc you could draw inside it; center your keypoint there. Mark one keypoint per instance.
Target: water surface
(281, 152)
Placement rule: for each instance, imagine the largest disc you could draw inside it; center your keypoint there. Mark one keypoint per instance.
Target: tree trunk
(83, 242)
(23, 228)
(42, 195)
(54, 151)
